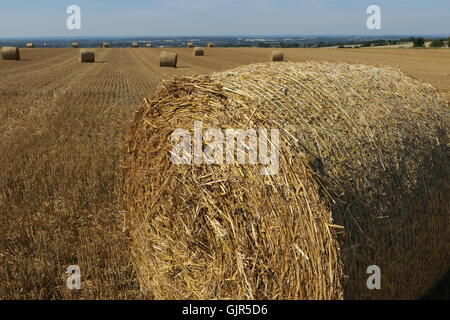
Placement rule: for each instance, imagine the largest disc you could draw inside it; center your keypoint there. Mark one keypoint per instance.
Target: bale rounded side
(277, 56)
(30, 45)
(11, 53)
(363, 175)
(168, 59)
(198, 51)
(87, 55)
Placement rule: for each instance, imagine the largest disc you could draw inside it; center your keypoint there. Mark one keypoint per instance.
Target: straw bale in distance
(363, 180)
(190, 44)
(30, 45)
(106, 45)
(135, 45)
(210, 45)
(168, 59)
(148, 45)
(277, 56)
(11, 53)
(87, 55)
(198, 51)
(75, 45)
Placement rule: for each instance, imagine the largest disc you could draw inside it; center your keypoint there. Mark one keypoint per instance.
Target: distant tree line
(434, 43)
(418, 42)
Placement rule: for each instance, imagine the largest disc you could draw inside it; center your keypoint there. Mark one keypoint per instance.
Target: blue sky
(42, 18)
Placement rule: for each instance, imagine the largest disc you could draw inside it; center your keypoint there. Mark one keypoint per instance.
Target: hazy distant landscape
(287, 41)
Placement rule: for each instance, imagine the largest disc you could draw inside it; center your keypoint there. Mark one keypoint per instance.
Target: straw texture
(363, 180)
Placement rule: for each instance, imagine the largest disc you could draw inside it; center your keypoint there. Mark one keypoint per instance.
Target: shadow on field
(441, 291)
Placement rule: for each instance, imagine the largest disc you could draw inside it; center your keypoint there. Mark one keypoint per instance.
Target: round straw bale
(210, 45)
(190, 44)
(168, 59)
(106, 45)
(277, 56)
(30, 45)
(362, 180)
(11, 53)
(198, 51)
(87, 55)
(135, 45)
(75, 45)
(148, 45)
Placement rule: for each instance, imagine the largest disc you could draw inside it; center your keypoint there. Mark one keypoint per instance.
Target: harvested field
(62, 125)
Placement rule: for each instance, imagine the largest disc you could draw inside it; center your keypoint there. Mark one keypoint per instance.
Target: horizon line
(227, 36)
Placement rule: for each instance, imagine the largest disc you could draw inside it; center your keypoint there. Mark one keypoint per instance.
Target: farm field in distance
(62, 124)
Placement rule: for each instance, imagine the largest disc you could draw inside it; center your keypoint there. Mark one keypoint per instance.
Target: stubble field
(62, 124)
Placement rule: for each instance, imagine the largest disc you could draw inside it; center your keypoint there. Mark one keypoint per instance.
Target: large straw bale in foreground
(168, 59)
(363, 180)
(11, 53)
(87, 55)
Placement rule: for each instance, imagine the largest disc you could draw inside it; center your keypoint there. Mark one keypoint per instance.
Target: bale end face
(10, 53)
(87, 56)
(210, 45)
(277, 56)
(168, 60)
(198, 52)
